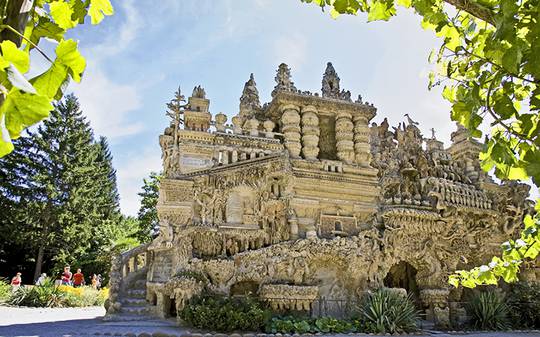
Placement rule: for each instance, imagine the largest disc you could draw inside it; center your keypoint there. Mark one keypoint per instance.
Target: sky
(141, 55)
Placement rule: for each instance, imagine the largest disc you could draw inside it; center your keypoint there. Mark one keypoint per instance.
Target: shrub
(385, 311)
(50, 295)
(83, 296)
(45, 295)
(290, 325)
(225, 314)
(523, 302)
(5, 290)
(487, 311)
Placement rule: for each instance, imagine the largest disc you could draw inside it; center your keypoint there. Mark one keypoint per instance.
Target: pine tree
(60, 190)
(147, 215)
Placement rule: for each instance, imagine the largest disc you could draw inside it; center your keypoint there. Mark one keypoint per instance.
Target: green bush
(291, 325)
(46, 295)
(5, 290)
(385, 311)
(523, 301)
(487, 311)
(225, 314)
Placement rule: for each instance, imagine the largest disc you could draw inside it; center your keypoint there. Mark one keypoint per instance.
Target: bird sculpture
(411, 122)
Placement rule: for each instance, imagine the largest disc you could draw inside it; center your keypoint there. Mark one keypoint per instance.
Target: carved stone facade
(300, 199)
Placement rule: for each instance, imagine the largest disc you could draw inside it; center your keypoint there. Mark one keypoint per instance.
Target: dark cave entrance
(403, 275)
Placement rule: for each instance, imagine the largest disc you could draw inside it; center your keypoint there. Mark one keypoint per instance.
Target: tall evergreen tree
(61, 189)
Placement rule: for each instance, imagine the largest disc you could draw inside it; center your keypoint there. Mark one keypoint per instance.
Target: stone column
(234, 156)
(290, 126)
(344, 137)
(310, 133)
(362, 150)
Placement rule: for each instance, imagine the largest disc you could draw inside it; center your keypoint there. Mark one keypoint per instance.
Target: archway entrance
(403, 275)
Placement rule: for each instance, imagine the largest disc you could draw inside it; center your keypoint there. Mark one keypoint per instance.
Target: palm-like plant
(385, 311)
(488, 311)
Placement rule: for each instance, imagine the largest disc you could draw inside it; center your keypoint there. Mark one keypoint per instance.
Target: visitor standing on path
(41, 280)
(16, 282)
(78, 279)
(66, 276)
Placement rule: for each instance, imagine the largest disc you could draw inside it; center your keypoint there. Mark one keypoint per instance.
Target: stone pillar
(269, 128)
(362, 150)
(237, 125)
(344, 137)
(310, 133)
(225, 156)
(290, 126)
(252, 125)
(234, 156)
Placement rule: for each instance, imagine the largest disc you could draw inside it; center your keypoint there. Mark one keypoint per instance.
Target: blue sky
(138, 57)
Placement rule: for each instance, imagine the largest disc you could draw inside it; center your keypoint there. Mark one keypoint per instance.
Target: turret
(196, 116)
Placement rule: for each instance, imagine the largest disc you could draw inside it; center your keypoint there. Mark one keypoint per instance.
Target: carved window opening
(338, 226)
(327, 138)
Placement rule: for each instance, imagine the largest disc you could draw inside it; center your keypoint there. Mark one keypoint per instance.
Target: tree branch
(475, 9)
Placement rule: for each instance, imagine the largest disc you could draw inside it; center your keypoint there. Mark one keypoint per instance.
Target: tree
(147, 215)
(61, 189)
(489, 65)
(24, 24)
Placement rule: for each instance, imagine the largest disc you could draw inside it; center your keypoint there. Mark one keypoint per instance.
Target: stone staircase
(134, 300)
(128, 287)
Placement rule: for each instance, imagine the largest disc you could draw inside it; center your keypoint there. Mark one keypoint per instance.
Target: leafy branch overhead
(489, 67)
(25, 24)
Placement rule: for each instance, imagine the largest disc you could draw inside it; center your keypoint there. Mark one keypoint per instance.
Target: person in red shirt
(66, 276)
(78, 278)
(16, 282)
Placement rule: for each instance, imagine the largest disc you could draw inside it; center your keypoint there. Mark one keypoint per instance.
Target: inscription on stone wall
(164, 261)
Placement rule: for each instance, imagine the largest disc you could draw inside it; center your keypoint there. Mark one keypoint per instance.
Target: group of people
(67, 278)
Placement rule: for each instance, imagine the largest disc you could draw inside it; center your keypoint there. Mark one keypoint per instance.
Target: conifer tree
(147, 215)
(60, 188)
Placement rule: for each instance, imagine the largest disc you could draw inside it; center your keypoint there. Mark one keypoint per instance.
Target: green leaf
(98, 9)
(46, 28)
(504, 106)
(61, 12)
(68, 62)
(68, 55)
(15, 56)
(23, 109)
(381, 10)
(531, 161)
(404, 3)
(6, 146)
(511, 59)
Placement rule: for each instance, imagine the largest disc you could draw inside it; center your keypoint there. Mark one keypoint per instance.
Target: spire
(283, 80)
(330, 82)
(249, 101)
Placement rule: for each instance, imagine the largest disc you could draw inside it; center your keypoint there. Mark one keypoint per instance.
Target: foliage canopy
(24, 102)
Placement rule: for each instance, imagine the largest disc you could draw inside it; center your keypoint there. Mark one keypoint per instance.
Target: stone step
(136, 310)
(140, 284)
(135, 302)
(136, 293)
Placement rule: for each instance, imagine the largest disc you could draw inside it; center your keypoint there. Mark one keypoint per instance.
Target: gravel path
(65, 322)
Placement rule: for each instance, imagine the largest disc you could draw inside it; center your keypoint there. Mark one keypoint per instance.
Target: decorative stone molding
(289, 297)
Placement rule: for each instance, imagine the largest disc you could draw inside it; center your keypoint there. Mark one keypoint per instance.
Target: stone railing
(123, 267)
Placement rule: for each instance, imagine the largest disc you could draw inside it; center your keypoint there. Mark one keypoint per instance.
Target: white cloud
(106, 102)
(130, 173)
